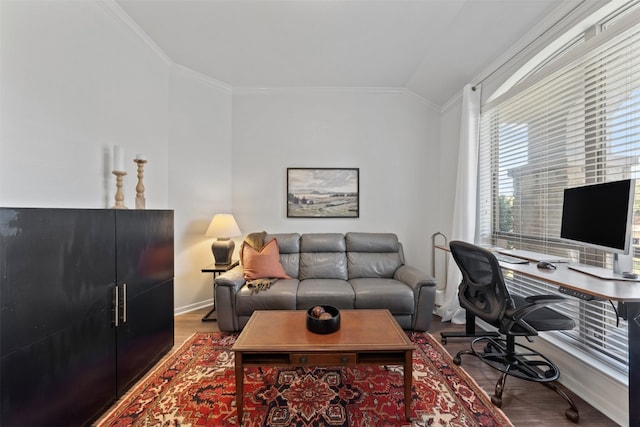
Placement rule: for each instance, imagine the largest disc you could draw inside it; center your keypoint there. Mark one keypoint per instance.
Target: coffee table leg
(408, 381)
(239, 385)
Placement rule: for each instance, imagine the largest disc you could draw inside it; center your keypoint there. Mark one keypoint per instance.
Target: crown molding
(188, 72)
(422, 100)
(114, 9)
(455, 99)
(246, 90)
(249, 90)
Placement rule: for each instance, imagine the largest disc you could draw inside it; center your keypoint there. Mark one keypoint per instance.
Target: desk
(625, 292)
(216, 269)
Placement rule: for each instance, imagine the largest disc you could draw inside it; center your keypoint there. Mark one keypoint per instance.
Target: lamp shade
(223, 225)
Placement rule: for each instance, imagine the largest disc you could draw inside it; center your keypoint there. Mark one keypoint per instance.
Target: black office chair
(483, 294)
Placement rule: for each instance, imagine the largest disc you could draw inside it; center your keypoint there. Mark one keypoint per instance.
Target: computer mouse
(546, 265)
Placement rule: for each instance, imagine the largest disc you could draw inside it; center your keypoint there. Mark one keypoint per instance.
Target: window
(575, 121)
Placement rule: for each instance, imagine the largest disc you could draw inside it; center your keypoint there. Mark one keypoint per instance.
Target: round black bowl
(324, 326)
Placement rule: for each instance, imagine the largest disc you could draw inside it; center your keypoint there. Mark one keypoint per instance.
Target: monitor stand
(622, 263)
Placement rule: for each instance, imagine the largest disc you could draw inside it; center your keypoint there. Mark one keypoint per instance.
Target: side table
(216, 269)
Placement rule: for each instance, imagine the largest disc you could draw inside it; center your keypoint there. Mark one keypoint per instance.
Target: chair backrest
(482, 290)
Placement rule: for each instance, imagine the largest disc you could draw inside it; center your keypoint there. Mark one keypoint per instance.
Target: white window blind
(573, 122)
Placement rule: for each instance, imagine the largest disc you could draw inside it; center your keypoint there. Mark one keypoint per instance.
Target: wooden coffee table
(281, 338)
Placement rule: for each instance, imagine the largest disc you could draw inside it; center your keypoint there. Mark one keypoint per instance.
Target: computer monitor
(599, 216)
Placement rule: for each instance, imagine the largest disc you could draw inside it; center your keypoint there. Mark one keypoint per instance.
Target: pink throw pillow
(263, 264)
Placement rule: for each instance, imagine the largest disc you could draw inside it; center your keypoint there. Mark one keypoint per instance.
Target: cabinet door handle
(303, 360)
(344, 359)
(116, 306)
(124, 303)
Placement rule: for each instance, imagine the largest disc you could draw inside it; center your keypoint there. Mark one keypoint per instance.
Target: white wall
(70, 92)
(390, 135)
(199, 177)
(74, 82)
(449, 147)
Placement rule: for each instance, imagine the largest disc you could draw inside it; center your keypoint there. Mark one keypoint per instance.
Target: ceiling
(431, 47)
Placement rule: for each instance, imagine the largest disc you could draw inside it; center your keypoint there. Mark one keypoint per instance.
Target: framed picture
(323, 193)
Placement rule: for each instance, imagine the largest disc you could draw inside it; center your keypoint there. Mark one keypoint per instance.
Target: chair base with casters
(517, 360)
(484, 295)
(469, 330)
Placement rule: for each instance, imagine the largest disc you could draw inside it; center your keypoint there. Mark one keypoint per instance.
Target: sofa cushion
(325, 265)
(335, 292)
(322, 242)
(372, 242)
(322, 256)
(289, 245)
(281, 295)
(263, 263)
(380, 265)
(373, 254)
(391, 294)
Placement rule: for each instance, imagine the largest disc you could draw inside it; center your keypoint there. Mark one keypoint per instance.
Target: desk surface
(563, 276)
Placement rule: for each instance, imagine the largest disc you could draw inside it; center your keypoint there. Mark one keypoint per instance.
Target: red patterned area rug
(195, 386)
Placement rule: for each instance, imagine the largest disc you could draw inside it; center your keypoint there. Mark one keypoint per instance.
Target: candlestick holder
(140, 200)
(119, 194)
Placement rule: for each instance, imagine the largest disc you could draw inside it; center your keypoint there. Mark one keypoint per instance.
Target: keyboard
(510, 259)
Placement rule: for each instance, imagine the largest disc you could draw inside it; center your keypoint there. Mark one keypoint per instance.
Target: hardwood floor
(525, 403)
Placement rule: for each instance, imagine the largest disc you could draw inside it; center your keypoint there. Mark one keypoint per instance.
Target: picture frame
(323, 192)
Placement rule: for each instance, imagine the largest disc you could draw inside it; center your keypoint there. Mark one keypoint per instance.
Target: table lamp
(223, 227)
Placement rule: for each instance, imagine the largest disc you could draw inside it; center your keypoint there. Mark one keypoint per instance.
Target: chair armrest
(413, 277)
(545, 299)
(233, 279)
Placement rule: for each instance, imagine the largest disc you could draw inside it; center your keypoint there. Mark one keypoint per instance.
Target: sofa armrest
(413, 277)
(233, 279)
(424, 289)
(228, 284)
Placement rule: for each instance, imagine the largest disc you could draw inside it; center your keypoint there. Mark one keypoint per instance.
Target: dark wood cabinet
(86, 308)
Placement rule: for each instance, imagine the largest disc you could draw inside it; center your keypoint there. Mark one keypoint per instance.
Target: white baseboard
(193, 307)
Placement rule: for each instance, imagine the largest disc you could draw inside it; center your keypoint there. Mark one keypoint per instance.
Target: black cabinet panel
(145, 274)
(144, 241)
(63, 359)
(56, 311)
(147, 334)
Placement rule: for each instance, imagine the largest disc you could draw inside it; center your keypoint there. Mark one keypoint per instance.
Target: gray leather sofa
(352, 270)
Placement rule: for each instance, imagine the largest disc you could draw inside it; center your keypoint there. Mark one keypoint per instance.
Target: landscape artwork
(323, 193)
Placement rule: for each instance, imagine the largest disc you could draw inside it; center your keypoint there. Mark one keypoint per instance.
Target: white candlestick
(118, 158)
(141, 157)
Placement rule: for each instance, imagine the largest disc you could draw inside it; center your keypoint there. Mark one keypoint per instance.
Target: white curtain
(464, 210)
